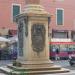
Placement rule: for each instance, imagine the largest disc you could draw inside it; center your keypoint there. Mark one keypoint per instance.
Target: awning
(3, 39)
(59, 41)
(13, 39)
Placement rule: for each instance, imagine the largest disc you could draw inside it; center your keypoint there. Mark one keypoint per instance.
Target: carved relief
(26, 26)
(38, 37)
(20, 37)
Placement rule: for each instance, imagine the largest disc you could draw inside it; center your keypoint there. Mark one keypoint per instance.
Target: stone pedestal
(33, 54)
(33, 34)
(33, 41)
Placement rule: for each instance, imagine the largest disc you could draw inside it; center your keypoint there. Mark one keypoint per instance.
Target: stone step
(8, 70)
(5, 70)
(54, 67)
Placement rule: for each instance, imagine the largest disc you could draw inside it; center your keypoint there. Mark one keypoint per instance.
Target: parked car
(72, 59)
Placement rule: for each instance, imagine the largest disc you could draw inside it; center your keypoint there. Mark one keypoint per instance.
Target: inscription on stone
(38, 37)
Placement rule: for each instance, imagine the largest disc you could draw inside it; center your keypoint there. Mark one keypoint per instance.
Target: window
(59, 16)
(60, 34)
(16, 9)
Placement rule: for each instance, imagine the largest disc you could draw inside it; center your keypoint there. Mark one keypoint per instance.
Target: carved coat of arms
(38, 37)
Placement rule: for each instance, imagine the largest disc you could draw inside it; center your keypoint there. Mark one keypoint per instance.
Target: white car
(72, 59)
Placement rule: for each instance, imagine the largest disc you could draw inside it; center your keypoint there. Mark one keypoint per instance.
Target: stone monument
(33, 54)
(33, 34)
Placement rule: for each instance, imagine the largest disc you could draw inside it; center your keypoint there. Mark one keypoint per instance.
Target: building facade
(62, 13)
(9, 9)
(62, 26)
(62, 23)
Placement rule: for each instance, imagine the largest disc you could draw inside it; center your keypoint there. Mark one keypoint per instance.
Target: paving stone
(2, 74)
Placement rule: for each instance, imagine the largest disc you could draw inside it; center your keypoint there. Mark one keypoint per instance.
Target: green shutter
(59, 17)
(16, 10)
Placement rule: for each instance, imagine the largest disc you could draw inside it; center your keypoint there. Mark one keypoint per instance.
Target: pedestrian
(54, 50)
(57, 53)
